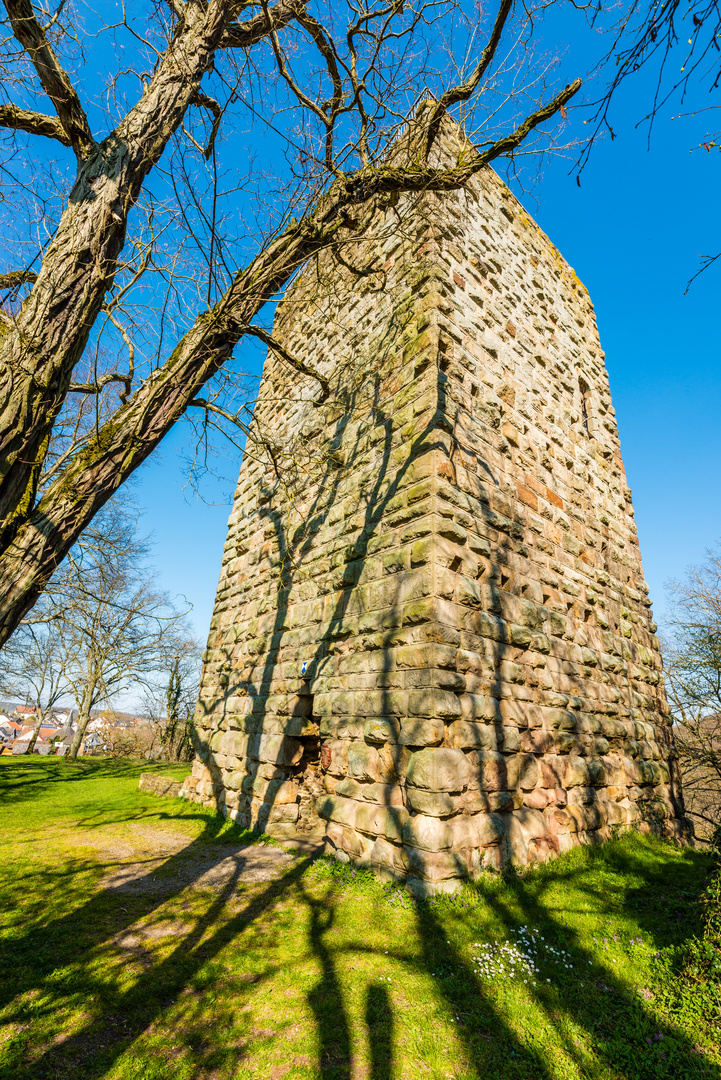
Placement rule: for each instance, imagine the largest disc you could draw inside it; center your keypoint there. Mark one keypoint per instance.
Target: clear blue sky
(633, 232)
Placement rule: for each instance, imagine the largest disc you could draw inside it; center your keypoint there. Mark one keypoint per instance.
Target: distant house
(94, 744)
(64, 739)
(46, 734)
(53, 737)
(9, 731)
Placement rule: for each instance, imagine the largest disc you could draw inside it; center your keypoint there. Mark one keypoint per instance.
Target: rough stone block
(437, 866)
(363, 763)
(433, 703)
(576, 772)
(380, 820)
(438, 770)
(233, 742)
(522, 771)
(476, 830)
(337, 809)
(479, 707)
(465, 735)
(381, 730)
(433, 803)
(335, 756)
(159, 785)
(418, 732)
(279, 750)
(426, 832)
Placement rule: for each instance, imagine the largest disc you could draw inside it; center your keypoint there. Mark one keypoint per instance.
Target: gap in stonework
(308, 772)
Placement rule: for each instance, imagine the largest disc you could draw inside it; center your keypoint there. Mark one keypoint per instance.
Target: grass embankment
(569, 971)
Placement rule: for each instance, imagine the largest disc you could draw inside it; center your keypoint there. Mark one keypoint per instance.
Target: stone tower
(432, 641)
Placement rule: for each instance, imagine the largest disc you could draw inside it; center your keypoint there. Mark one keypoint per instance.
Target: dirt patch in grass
(158, 862)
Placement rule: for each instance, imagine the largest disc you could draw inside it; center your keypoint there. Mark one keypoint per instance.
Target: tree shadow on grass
(24, 779)
(124, 1015)
(37, 950)
(490, 1045)
(326, 998)
(586, 1015)
(168, 810)
(601, 1027)
(379, 1021)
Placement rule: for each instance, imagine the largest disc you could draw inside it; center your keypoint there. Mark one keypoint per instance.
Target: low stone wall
(159, 785)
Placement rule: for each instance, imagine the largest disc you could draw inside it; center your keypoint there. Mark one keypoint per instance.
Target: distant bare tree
(138, 741)
(32, 667)
(144, 237)
(102, 625)
(169, 703)
(692, 661)
(116, 625)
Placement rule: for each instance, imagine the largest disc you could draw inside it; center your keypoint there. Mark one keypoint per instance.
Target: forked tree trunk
(39, 351)
(84, 707)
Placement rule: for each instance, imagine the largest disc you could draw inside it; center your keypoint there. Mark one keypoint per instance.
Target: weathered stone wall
(432, 641)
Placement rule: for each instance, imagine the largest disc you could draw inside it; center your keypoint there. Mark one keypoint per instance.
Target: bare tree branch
(205, 102)
(210, 406)
(16, 278)
(304, 369)
(99, 384)
(54, 79)
(34, 123)
(243, 35)
(463, 91)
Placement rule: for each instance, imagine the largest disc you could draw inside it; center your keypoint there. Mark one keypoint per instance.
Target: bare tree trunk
(41, 348)
(36, 733)
(84, 707)
(56, 319)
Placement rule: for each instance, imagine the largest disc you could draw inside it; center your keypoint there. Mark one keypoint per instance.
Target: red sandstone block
(446, 468)
(554, 499)
(535, 485)
(527, 496)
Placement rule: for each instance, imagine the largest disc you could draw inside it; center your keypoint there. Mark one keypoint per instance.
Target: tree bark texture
(40, 350)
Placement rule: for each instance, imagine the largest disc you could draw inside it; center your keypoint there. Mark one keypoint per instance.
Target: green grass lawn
(568, 971)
